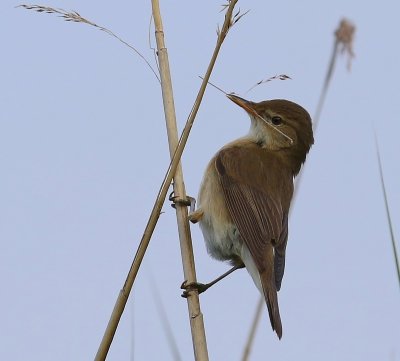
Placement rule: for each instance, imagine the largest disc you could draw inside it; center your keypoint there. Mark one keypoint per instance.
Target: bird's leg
(201, 287)
(194, 215)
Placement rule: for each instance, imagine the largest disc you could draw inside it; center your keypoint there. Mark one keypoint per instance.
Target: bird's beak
(247, 105)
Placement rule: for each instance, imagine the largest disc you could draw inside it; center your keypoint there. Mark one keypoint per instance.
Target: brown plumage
(245, 195)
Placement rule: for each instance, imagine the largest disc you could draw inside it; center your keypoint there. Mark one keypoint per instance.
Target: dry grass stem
(394, 248)
(216, 87)
(276, 77)
(155, 213)
(73, 16)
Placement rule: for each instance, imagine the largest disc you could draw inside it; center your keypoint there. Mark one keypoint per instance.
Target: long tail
(271, 298)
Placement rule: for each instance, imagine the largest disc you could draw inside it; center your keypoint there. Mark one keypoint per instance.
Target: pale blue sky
(83, 151)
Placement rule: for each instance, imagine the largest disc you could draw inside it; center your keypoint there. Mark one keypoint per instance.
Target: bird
(244, 198)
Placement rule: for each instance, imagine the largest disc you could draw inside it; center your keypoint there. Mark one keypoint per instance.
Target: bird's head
(279, 125)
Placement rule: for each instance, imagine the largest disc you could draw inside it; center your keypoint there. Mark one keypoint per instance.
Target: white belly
(220, 234)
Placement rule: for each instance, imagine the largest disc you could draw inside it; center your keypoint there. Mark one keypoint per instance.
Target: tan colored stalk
(155, 213)
(195, 314)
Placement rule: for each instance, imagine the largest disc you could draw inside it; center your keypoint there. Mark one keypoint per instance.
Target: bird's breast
(220, 233)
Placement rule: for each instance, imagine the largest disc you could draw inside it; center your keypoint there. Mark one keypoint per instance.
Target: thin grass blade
(389, 219)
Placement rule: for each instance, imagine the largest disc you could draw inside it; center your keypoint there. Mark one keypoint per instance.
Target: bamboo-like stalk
(155, 213)
(195, 314)
(343, 36)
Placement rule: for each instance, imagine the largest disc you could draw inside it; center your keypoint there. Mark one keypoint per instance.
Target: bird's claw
(187, 201)
(193, 286)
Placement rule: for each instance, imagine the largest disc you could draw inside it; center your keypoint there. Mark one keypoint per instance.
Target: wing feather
(257, 211)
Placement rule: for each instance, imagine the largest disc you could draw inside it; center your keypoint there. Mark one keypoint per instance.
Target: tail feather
(263, 276)
(271, 299)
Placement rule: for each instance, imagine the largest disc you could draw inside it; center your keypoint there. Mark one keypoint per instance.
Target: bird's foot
(193, 286)
(187, 201)
(194, 215)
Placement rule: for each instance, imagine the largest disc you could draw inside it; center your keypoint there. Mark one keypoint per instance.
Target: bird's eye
(276, 120)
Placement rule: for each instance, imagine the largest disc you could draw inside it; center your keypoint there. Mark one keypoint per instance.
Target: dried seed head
(344, 37)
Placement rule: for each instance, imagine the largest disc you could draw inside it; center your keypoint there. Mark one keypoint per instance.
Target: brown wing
(257, 202)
